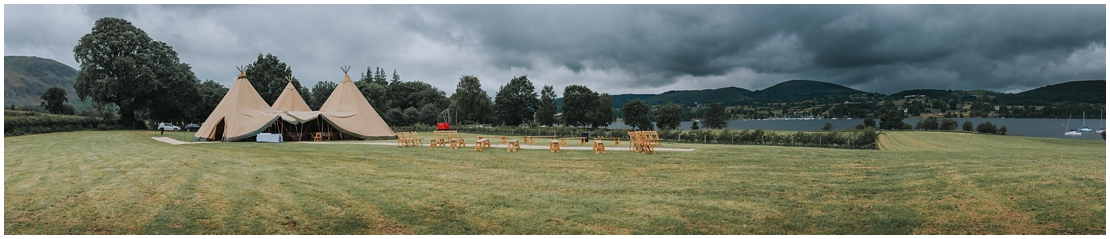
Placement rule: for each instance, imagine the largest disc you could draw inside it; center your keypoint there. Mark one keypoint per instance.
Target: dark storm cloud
(614, 48)
(869, 47)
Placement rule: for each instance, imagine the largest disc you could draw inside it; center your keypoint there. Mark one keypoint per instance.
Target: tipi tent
(290, 100)
(350, 113)
(241, 114)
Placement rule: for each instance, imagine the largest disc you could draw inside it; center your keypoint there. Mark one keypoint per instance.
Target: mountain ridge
(26, 78)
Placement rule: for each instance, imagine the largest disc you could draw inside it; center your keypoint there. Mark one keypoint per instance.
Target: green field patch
(123, 182)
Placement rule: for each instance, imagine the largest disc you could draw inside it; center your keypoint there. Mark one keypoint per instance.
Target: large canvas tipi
(241, 114)
(349, 112)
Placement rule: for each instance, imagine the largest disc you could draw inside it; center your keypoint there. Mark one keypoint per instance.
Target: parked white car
(168, 126)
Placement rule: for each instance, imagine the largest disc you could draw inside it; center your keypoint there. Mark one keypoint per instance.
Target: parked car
(168, 126)
(192, 127)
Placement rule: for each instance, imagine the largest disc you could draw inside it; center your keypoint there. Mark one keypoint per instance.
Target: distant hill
(785, 90)
(1091, 91)
(926, 92)
(804, 89)
(27, 77)
(726, 94)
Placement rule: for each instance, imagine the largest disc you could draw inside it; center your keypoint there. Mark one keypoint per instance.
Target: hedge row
(28, 122)
(859, 139)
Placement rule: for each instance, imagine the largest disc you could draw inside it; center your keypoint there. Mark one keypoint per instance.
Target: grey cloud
(615, 48)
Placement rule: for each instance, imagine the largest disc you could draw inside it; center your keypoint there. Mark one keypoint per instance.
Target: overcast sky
(612, 49)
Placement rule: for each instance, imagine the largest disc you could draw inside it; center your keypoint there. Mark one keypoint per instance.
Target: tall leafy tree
(267, 75)
(413, 94)
(376, 94)
(54, 100)
(516, 101)
(375, 76)
(545, 113)
(121, 65)
(890, 120)
(603, 114)
(636, 114)
(320, 93)
(379, 77)
(668, 116)
(211, 92)
(715, 117)
(471, 102)
(307, 96)
(578, 105)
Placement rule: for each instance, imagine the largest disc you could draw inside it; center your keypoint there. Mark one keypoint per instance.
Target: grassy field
(123, 182)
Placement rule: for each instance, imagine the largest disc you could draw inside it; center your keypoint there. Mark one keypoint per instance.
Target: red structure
(443, 126)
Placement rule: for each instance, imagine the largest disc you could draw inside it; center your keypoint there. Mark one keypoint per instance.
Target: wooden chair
(563, 142)
(317, 137)
(632, 140)
(554, 146)
(643, 144)
(599, 147)
(653, 136)
(415, 138)
(402, 140)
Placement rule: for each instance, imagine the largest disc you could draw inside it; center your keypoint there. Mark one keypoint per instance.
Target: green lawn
(123, 182)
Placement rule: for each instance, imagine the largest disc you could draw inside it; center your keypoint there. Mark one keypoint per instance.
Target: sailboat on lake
(1071, 132)
(1085, 128)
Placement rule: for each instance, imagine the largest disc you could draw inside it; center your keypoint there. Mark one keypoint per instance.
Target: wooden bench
(617, 139)
(481, 144)
(443, 136)
(433, 143)
(458, 142)
(513, 145)
(599, 147)
(554, 146)
(581, 141)
(532, 139)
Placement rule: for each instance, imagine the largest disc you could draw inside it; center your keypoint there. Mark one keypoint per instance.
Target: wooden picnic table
(617, 139)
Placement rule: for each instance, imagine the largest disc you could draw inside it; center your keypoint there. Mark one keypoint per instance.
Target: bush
(865, 138)
(31, 122)
(1002, 130)
(906, 126)
(986, 127)
(828, 126)
(948, 124)
(967, 126)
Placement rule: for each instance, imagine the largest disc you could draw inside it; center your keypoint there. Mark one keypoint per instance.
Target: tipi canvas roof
(242, 112)
(290, 100)
(348, 110)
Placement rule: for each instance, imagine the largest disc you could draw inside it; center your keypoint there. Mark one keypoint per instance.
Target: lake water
(1052, 128)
